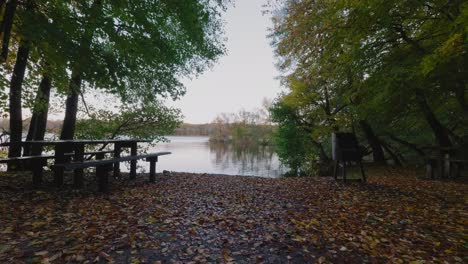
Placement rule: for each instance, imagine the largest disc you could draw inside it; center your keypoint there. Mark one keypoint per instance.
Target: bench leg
(133, 163)
(455, 170)
(78, 178)
(102, 174)
(362, 172)
(429, 170)
(152, 175)
(58, 177)
(36, 172)
(117, 150)
(344, 171)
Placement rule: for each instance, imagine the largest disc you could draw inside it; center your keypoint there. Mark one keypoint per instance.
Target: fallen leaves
(208, 218)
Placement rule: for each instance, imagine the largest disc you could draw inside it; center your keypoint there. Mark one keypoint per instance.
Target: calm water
(196, 154)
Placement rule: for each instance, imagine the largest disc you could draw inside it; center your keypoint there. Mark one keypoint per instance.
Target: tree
(178, 39)
(381, 63)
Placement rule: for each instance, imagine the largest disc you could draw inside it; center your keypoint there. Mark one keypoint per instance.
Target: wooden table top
(79, 141)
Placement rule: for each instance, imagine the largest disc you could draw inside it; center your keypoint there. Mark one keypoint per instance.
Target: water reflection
(197, 154)
(251, 160)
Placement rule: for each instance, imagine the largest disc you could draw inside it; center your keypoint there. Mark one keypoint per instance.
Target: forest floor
(199, 218)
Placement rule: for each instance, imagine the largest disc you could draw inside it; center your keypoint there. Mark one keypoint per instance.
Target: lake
(197, 154)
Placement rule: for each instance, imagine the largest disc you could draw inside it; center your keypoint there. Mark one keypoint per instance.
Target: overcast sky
(243, 77)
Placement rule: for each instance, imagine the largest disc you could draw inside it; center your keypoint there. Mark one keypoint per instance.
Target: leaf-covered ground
(185, 218)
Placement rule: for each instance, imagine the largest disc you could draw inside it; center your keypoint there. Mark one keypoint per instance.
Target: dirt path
(213, 218)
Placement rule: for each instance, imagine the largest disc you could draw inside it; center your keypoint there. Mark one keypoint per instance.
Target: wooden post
(335, 169)
(440, 164)
(99, 156)
(36, 150)
(133, 163)
(429, 169)
(117, 150)
(447, 164)
(152, 175)
(59, 158)
(102, 174)
(78, 179)
(37, 171)
(344, 171)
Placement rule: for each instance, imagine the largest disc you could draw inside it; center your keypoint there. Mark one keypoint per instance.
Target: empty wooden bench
(450, 167)
(104, 166)
(39, 161)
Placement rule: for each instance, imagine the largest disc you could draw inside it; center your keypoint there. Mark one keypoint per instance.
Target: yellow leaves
(7, 231)
(298, 238)
(151, 220)
(225, 252)
(417, 262)
(321, 260)
(38, 224)
(41, 253)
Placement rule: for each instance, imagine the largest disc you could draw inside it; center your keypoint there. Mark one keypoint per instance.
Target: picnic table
(442, 162)
(64, 150)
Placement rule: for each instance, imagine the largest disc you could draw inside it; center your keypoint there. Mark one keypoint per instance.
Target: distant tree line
(244, 128)
(392, 72)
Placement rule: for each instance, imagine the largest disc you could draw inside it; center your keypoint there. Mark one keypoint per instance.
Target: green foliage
(150, 121)
(293, 144)
(401, 66)
(135, 50)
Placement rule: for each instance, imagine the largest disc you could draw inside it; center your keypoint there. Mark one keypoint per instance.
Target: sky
(243, 77)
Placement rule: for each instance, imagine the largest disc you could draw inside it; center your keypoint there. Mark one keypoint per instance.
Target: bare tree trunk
(6, 26)
(71, 109)
(394, 156)
(440, 132)
(408, 145)
(374, 142)
(38, 124)
(69, 122)
(16, 118)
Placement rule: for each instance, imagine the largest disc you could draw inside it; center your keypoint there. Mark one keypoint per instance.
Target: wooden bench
(39, 161)
(104, 166)
(451, 167)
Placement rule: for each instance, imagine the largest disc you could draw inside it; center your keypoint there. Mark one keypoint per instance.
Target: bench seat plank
(95, 163)
(51, 156)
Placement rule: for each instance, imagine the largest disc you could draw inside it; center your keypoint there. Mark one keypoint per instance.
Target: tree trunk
(71, 109)
(374, 142)
(460, 92)
(394, 156)
(38, 124)
(2, 3)
(440, 132)
(69, 123)
(16, 118)
(408, 145)
(6, 26)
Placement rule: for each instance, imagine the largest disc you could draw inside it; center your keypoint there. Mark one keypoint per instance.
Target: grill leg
(344, 171)
(335, 169)
(362, 172)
